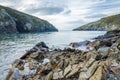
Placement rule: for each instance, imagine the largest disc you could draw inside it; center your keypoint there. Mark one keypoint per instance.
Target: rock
(67, 70)
(85, 75)
(93, 45)
(89, 63)
(75, 69)
(53, 64)
(105, 43)
(101, 63)
(41, 45)
(61, 64)
(34, 55)
(27, 54)
(114, 49)
(49, 76)
(103, 51)
(33, 64)
(99, 74)
(9, 75)
(18, 62)
(78, 44)
(58, 75)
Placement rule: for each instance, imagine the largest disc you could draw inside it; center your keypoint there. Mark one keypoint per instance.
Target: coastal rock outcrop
(105, 24)
(13, 21)
(102, 62)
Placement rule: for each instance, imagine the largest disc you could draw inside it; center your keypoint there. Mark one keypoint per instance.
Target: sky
(66, 14)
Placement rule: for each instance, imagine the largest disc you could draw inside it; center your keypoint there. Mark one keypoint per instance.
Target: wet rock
(69, 49)
(78, 44)
(18, 62)
(93, 45)
(41, 45)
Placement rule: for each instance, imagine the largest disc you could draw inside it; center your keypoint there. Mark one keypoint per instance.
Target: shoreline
(68, 64)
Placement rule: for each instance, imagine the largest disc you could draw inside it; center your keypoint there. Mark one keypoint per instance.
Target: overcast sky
(66, 14)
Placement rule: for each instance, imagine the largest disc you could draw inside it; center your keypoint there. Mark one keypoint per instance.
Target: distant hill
(104, 24)
(13, 21)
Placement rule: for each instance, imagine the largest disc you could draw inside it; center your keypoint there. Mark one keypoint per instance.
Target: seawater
(13, 46)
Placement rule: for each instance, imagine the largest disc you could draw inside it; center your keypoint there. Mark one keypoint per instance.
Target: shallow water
(14, 46)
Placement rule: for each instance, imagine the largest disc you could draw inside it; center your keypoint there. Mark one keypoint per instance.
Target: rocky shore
(101, 61)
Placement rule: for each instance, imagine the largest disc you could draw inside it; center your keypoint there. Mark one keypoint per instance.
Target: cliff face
(104, 24)
(13, 21)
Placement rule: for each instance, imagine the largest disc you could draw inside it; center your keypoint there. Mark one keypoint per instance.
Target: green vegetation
(25, 22)
(107, 23)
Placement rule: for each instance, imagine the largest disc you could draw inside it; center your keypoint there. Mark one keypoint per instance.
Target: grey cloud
(108, 4)
(96, 16)
(76, 22)
(46, 10)
(67, 12)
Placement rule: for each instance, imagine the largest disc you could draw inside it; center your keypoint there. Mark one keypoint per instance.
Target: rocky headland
(13, 21)
(104, 24)
(101, 61)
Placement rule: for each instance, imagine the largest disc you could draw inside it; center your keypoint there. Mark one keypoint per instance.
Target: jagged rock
(34, 55)
(75, 69)
(33, 64)
(49, 76)
(93, 45)
(17, 62)
(99, 74)
(84, 75)
(58, 75)
(103, 53)
(78, 44)
(67, 70)
(114, 49)
(41, 45)
(103, 50)
(102, 63)
(89, 63)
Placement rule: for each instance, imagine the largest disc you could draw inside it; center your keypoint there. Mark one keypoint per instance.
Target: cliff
(13, 21)
(104, 24)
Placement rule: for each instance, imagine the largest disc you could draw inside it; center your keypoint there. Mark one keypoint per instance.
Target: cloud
(95, 16)
(66, 14)
(46, 10)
